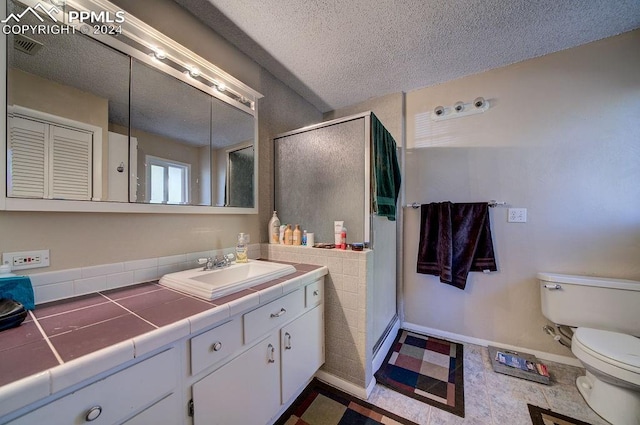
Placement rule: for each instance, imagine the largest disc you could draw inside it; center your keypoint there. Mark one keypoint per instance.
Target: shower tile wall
(348, 312)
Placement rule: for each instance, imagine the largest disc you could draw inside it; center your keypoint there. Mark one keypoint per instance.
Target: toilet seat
(619, 349)
(613, 353)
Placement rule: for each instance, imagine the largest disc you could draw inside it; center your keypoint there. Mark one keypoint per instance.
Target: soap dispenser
(241, 249)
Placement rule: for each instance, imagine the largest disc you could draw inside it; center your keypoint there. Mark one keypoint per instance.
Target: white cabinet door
(27, 158)
(167, 411)
(70, 159)
(244, 391)
(302, 351)
(49, 161)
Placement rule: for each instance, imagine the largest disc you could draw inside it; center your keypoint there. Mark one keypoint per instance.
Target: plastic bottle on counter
(304, 238)
(283, 228)
(343, 238)
(288, 235)
(241, 249)
(274, 228)
(297, 236)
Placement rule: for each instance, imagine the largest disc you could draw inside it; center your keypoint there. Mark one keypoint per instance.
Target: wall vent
(26, 44)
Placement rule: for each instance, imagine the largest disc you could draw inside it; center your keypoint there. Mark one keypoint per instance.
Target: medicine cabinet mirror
(123, 119)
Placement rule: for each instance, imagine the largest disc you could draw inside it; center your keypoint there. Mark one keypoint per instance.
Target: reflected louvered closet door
(28, 158)
(70, 163)
(49, 161)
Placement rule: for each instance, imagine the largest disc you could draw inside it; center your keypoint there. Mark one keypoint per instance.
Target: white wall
(562, 139)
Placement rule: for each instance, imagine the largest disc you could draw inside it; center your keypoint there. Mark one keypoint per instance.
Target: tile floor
(495, 399)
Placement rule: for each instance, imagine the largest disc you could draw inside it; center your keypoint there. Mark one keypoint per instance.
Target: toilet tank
(591, 302)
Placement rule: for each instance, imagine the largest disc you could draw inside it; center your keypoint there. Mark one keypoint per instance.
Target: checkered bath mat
(425, 368)
(322, 404)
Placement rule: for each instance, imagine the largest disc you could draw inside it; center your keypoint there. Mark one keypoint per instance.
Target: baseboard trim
(572, 361)
(346, 386)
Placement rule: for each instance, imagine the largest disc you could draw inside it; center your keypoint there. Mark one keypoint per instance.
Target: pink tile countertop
(58, 332)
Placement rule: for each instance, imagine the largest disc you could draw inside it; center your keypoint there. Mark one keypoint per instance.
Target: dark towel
(454, 240)
(18, 288)
(386, 172)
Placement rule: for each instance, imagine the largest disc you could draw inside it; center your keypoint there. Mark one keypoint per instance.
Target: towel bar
(492, 204)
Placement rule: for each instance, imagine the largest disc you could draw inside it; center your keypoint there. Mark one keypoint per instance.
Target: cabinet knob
(272, 351)
(93, 413)
(278, 314)
(216, 346)
(316, 293)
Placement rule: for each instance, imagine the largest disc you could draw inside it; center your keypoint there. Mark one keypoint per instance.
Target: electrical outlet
(517, 215)
(26, 259)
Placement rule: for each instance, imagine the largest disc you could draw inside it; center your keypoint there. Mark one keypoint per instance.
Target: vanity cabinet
(116, 397)
(302, 351)
(167, 411)
(251, 388)
(244, 391)
(245, 370)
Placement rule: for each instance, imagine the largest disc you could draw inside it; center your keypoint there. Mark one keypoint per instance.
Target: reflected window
(168, 181)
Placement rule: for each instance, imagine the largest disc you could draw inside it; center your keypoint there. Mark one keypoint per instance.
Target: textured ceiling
(339, 52)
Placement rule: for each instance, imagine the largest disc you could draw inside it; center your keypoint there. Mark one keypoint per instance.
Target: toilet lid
(621, 348)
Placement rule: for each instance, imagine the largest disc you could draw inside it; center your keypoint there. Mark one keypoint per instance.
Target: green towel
(18, 288)
(386, 172)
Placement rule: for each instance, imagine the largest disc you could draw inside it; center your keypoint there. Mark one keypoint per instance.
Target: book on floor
(517, 362)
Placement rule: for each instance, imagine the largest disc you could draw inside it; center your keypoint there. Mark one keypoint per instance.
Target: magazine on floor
(514, 361)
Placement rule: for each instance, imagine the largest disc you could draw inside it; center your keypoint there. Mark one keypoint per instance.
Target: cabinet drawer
(313, 293)
(114, 398)
(261, 320)
(214, 345)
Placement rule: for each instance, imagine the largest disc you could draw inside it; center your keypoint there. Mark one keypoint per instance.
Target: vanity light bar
(172, 54)
(460, 109)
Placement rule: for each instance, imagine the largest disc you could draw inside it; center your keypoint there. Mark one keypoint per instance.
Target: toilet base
(620, 406)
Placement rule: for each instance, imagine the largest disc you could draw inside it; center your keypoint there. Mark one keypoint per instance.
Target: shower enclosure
(322, 174)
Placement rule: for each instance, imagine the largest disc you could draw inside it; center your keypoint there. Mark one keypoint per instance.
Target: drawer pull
(287, 344)
(272, 350)
(93, 413)
(278, 314)
(216, 346)
(316, 293)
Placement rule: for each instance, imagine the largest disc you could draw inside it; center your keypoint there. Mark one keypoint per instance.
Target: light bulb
(158, 54)
(193, 71)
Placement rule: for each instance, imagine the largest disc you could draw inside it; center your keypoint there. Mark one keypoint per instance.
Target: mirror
(240, 181)
(89, 122)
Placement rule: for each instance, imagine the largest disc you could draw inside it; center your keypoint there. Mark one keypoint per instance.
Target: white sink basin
(212, 284)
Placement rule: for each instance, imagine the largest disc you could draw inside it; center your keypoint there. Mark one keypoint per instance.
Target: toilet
(606, 316)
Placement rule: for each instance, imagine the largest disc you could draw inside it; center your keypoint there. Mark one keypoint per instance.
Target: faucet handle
(230, 257)
(202, 261)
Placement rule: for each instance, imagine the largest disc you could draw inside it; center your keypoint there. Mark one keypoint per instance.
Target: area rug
(322, 404)
(541, 416)
(425, 368)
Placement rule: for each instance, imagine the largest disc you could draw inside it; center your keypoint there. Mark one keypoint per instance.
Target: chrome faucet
(216, 262)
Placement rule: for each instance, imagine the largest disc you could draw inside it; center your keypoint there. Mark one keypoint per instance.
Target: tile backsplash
(57, 285)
